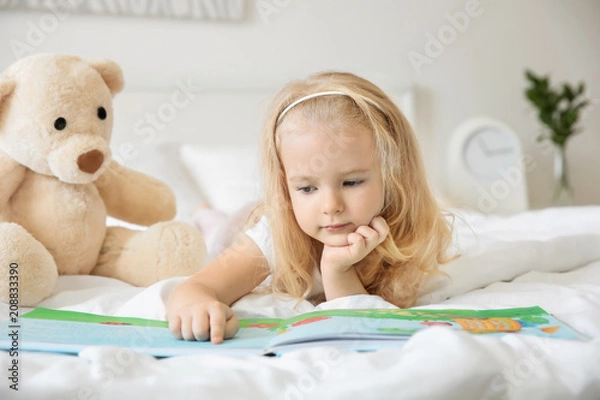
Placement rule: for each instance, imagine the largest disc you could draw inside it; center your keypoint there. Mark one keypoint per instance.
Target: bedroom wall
(479, 71)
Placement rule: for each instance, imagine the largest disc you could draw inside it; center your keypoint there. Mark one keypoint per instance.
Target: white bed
(549, 258)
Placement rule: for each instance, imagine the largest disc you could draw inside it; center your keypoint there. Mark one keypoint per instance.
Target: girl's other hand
(360, 243)
(203, 321)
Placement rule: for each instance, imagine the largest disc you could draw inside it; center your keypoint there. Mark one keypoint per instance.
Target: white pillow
(228, 176)
(500, 248)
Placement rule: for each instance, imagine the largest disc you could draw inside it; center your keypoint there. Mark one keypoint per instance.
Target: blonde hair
(419, 233)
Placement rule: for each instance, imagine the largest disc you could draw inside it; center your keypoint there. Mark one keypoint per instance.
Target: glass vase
(563, 191)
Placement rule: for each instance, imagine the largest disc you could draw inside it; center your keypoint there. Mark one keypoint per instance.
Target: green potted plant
(558, 110)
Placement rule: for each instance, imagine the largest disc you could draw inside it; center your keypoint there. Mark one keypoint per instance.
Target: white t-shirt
(261, 235)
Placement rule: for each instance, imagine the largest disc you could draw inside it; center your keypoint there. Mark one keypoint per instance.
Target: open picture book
(69, 332)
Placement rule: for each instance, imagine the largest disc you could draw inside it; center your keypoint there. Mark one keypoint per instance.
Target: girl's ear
(111, 73)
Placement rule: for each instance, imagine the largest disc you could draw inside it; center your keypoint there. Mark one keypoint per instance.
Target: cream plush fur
(58, 184)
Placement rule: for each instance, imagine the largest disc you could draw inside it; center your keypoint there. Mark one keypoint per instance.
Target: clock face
(489, 151)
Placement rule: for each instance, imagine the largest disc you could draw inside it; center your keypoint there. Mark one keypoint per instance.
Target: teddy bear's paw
(27, 269)
(180, 249)
(164, 250)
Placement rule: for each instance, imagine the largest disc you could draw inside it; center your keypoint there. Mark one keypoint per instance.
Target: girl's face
(334, 178)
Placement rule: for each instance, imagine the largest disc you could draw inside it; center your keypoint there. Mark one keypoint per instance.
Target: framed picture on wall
(198, 10)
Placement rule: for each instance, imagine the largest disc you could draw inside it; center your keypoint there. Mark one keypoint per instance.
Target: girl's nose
(333, 203)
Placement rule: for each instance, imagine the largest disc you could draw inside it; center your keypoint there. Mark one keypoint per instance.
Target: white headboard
(145, 119)
(209, 118)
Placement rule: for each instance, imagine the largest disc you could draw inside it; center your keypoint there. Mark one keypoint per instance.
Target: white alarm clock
(486, 168)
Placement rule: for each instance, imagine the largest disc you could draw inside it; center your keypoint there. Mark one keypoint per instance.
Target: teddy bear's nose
(90, 162)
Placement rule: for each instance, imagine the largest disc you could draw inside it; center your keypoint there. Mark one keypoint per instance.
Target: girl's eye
(353, 183)
(307, 189)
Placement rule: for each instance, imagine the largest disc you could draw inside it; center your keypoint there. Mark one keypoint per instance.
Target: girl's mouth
(336, 227)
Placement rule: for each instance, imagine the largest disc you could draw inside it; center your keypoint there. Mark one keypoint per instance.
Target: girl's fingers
(232, 325)
(372, 236)
(354, 238)
(200, 325)
(367, 232)
(187, 332)
(217, 323)
(175, 327)
(224, 324)
(356, 244)
(380, 225)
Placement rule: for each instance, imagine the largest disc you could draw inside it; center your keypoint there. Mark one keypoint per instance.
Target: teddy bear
(58, 184)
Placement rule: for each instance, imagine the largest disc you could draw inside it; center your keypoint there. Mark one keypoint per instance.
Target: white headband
(310, 96)
(319, 94)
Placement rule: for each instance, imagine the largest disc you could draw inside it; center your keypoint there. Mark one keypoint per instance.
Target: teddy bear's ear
(6, 88)
(111, 73)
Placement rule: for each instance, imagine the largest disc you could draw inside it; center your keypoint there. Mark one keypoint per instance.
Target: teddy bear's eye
(101, 113)
(60, 124)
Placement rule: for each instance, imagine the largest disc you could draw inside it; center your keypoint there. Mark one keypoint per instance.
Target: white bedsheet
(549, 258)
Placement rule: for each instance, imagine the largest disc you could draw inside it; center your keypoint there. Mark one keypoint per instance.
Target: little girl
(347, 210)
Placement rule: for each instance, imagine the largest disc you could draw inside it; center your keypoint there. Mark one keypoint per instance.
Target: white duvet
(549, 258)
